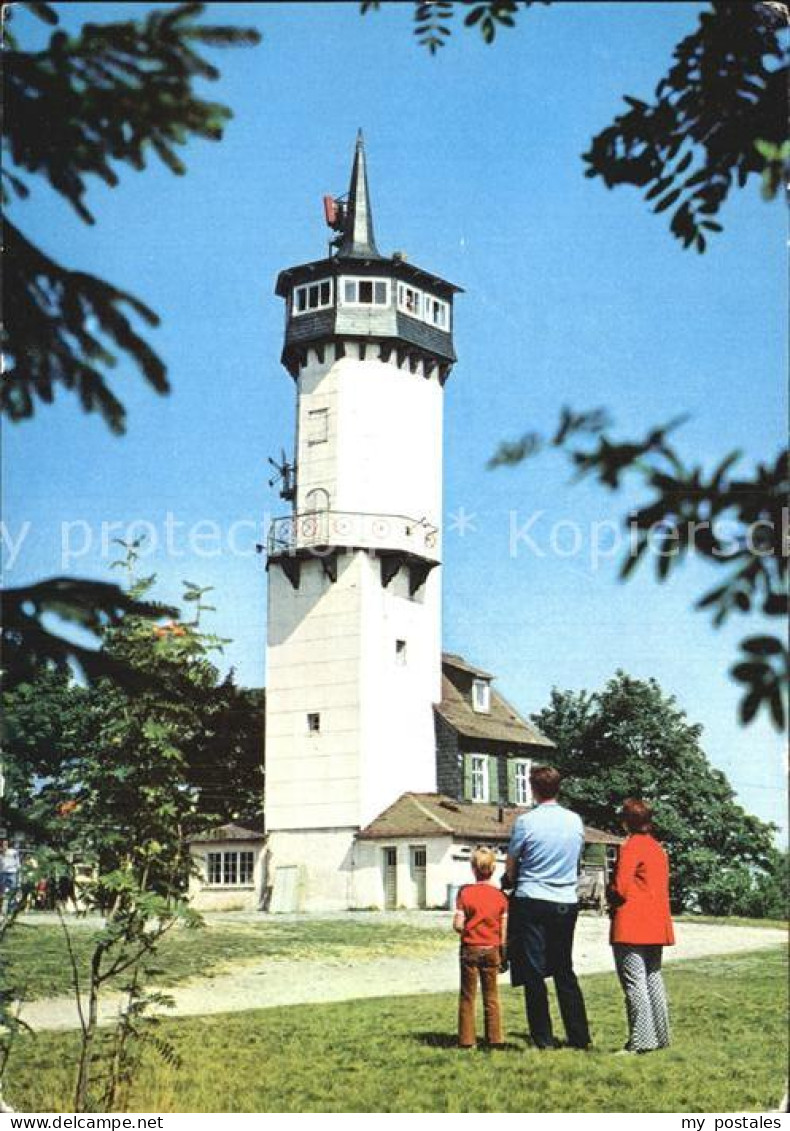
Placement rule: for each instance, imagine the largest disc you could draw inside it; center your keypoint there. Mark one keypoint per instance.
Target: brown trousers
(482, 962)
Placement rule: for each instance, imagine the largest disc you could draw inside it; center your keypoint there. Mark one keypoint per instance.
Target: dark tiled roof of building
(431, 814)
(502, 723)
(250, 830)
(453, 660)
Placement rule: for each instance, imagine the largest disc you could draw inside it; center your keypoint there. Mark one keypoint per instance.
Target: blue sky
(573, 295)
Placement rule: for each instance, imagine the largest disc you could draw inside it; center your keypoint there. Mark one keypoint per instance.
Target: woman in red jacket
(641, 928)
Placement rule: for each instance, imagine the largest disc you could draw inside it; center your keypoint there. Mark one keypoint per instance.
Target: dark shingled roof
(250, 830)
(453, 660)
(501, 724)
(431, 814)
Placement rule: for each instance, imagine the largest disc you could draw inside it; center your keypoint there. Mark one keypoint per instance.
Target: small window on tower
(400, 652)
(380, 292)
(326, 293)
(365, 290)
(314, 722)
(318, 426)
(350, 290)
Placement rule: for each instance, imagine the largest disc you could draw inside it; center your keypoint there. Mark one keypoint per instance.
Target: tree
(51, 721)
(114, 95)
(116, 780)
(734, 522)
(717, 118)
(631, 740)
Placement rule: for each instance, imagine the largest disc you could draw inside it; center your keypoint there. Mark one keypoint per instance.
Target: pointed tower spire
(358, 241)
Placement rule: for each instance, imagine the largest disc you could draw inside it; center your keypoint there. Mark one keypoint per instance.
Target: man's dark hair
(545, 782)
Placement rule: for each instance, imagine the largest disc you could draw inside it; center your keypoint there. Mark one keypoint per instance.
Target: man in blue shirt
(543, 869)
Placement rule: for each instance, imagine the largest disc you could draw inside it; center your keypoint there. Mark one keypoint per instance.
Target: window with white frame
(479, 777)
(521, 790)
(400, 652)
(313, 722)
(214, 868)
(410, 300)
(437, 312)
(229, 869)
(365, 292)
(312, 296)
(481, 695)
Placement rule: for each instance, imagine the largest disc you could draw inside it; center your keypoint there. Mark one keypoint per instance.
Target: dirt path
(261, 985)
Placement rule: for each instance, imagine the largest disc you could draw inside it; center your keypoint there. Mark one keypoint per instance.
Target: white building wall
(383, 452)
(332, 651)
(398, 742)
(369, 871)
(216, 897)
(313, 666)
(323, 859)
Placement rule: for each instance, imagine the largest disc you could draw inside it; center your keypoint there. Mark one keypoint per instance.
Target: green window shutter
(468, 777)
(493, 779)
(511, 781)
(594, 854)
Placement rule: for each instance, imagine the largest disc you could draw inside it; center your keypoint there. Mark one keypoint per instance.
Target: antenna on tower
(336, 216)
(286, 476)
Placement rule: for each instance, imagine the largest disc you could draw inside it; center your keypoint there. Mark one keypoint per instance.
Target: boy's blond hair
(483, 861)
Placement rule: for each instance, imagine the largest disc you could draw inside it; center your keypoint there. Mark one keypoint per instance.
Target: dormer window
(312, 296)
(365, 292)
(481, 695)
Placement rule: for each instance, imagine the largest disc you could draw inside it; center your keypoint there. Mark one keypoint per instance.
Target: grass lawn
(36, 959)
(729, 1053)
(733, 921)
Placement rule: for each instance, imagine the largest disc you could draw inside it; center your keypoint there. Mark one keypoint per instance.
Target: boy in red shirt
(480, 919)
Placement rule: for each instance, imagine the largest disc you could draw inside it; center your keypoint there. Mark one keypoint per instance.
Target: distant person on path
(543, 869)
(10, 868)
(481, 921)
(641, 928)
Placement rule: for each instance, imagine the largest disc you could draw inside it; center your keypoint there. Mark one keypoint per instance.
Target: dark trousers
(540, 944)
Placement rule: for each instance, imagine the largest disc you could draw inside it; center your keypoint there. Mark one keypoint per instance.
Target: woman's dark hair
(637, 815)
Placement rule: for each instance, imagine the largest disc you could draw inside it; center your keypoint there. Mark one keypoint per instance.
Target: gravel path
(272, 982)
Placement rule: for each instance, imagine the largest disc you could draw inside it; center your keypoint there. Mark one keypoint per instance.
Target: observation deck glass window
(312, 296)
(365, 292)
(437, 312)
(409, 300)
